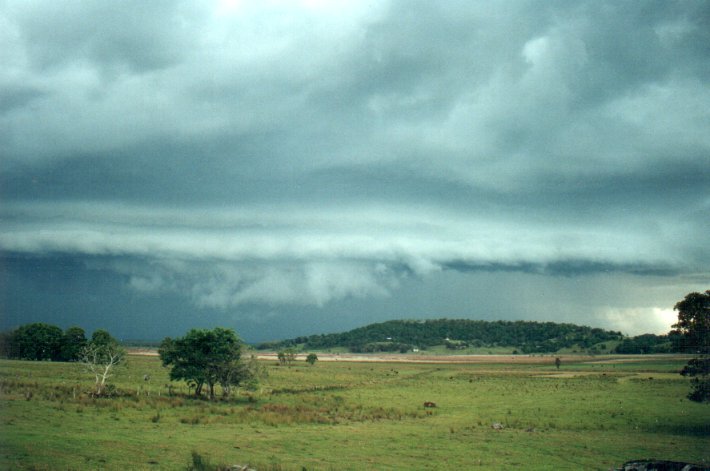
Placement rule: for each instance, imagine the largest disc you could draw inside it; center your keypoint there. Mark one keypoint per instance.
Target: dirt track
(401, 357)
(414, 358)
(422, 358)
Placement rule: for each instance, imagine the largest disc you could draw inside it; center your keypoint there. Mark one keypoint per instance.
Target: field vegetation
(591, 413)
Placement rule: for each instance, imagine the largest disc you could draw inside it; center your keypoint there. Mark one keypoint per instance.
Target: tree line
(40, 341)
(203, 358)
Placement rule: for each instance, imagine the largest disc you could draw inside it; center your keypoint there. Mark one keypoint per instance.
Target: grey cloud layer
(494, 96)
(304, 153)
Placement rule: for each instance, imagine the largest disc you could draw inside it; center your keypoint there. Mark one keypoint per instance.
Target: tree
(73, 342)
(99, 357)
(692, 334)
(206, 357)
(102, 337)
(693, 327)
(311, 358)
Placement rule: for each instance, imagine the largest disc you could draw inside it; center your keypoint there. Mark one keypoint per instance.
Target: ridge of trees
(404, 335)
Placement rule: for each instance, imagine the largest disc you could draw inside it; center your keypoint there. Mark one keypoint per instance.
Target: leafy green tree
(311, 359)
(37, 341)
(73, 342)
(693, 327)
(692, 333)
(100, 357)
(102, 337)
(206, 357)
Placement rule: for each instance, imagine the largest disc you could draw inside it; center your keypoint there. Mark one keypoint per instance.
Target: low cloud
(308, 284)
(223, 285)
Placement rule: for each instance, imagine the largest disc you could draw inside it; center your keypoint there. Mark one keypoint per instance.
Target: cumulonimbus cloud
(190, 149)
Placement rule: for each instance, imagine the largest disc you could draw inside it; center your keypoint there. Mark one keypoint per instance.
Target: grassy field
(591, 414)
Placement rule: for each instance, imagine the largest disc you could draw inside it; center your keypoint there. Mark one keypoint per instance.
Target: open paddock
(496, 412)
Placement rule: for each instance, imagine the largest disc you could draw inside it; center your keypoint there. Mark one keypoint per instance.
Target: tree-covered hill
(404, 335)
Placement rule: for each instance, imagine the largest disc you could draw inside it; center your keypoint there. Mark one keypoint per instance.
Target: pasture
(589, 414)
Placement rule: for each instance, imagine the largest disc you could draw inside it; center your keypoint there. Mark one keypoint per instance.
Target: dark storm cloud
(303, 154)
(16, 96)
(106, 35)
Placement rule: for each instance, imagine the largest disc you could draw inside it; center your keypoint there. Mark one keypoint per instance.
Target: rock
(661, 465)
(497, 426)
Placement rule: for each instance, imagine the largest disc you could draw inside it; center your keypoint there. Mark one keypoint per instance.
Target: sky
(288, 168)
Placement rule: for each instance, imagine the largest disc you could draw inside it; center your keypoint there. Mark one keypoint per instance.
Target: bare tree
(100, 361)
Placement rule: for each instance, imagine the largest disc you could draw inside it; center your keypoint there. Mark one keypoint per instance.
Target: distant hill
(405, 335)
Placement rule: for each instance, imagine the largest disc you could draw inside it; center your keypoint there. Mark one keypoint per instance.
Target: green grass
(339, 415)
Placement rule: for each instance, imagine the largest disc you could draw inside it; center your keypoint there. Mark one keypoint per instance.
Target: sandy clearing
(398, 357)
(408, 358)
(452, 359)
